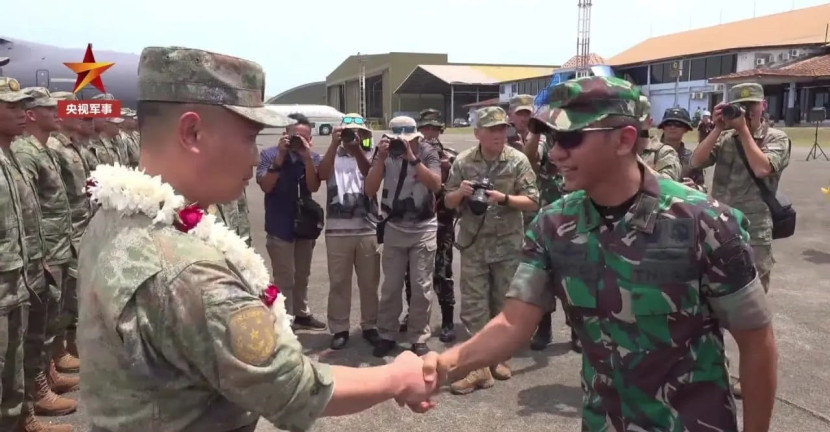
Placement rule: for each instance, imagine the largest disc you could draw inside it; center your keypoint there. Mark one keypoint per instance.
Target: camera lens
(347, 135)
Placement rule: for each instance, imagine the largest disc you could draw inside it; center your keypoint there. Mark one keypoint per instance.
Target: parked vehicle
(323, 117)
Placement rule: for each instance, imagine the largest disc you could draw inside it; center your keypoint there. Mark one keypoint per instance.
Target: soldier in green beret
(650, 272)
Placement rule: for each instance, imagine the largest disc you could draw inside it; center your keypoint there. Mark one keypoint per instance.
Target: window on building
(697, 69)
(657, 76)
(728, 64)
(514, 88)
(502, 89)
(713, 66)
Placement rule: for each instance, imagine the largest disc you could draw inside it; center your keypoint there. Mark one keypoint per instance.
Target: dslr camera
(479, 202)
(295, 142)
(733, 111)
(347, 135)
(397, 147)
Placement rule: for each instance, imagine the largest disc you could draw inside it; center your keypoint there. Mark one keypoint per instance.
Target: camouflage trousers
(763, 262)
(442, 277)
(13, 327)
(483, 287)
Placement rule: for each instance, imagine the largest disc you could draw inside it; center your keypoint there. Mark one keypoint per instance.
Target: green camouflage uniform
(490, 261)
(164, 294)
(697, 176)
(662, 158)
(131, 138)
(648, 293)
(15, 245)
(115, 146)
(103, 150)
(732, 183)
(235, 215)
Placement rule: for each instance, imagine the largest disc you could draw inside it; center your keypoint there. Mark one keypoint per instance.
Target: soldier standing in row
(431, 127)
(650, 322)
(45, 349)
(657, 155)
(172, 295)
(491, 228)
(127, 138)
(675, 124)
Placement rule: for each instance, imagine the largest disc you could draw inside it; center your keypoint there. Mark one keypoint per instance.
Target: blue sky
(302, 41)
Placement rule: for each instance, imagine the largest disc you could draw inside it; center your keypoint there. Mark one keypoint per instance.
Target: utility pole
(583, 39)
(676, 72)
(361, 86)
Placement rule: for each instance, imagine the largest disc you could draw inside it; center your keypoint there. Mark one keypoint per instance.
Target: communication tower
(583, 39)
(361, 86)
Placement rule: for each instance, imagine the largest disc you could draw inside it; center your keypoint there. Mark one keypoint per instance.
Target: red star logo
(89, 71)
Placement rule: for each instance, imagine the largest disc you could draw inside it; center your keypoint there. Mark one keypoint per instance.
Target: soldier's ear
(628, 138)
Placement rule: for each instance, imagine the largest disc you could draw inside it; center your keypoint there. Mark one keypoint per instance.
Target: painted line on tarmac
(798, 406)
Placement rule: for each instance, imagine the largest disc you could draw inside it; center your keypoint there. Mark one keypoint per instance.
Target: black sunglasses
(572, 139)
(403, 130)
(676, 124)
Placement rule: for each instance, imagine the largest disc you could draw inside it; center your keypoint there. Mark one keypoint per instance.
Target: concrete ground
(544, 393)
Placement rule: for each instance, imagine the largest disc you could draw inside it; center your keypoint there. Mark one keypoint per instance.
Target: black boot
(543, 336)
(447, 326)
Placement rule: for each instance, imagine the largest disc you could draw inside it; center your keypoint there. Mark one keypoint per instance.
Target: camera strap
(766, 195)
(398, 187)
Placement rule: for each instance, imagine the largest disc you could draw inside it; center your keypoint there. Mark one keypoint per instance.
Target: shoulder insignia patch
(252, 335)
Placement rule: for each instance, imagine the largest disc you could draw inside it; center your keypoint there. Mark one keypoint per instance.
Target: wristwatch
(415, 162)
(505, 201)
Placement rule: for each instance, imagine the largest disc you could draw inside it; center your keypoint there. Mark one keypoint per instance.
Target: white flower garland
(130, 191)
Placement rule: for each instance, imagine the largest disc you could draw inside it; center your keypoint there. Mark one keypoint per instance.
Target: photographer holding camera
(350, 234)
(491, 185)
(411, 174)
(287, 174)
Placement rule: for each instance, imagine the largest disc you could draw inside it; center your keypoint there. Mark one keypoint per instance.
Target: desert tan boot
(477, 379)
(64, 361)
(60, 383)
(501, 371)
(30, 423)
(48, 402)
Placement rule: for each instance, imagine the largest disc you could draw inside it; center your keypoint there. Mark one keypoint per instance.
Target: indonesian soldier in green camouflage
(489, 240)
(660, 157)
(519, 112)
(675, 124)
(14, 258)
(164, 294)
(768, 152)
(650, 273)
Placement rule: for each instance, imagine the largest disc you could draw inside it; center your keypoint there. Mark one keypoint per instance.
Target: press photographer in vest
(411, 173)
(286, 173)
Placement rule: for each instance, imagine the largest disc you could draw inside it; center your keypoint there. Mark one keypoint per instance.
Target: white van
(323, 118)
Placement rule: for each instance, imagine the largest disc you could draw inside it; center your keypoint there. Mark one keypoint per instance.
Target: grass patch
(459, 130)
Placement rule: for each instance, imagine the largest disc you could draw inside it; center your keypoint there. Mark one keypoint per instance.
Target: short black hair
(300, 119)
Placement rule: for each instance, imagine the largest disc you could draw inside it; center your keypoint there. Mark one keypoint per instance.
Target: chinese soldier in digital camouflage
(650, 273)
(490, 239)
(168, 329)
(660, 157)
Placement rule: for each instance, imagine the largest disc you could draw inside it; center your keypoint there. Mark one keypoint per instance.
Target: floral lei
(130, 191)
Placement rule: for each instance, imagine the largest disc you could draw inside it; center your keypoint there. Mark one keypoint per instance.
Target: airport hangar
(400, 83)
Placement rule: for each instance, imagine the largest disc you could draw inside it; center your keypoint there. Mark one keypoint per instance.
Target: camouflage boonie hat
(749, 92)
(404, 127)
(577, 103)
(64, 95)
(40, 98)
(430, 117)
(677, 115)
(520, 102)
(10, 91)
(176, 74)
(361, 124)
(491, 116)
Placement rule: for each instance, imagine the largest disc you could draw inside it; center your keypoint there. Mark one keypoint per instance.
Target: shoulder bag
(309, 222)
(780, 208)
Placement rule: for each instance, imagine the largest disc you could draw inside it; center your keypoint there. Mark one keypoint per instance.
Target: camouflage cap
(356, 122)
(749, 92)
(491, 116)
(104, 96)
(176, 74)
(64, 95)
(127, 113)
(580, 102)
(430, 117)
(116, 120)
(10, 91)
(41, 97)
(521, 102)
(677, 115)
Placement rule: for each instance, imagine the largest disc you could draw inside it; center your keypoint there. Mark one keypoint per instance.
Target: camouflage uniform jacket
(551, 183)
(445, 216)
(647, 295)
(500, 235)
(662, 158)
(13, 247)
(732, 183)
(235, 215)
(41, 166)
(696, 175)
(102, 149)
(74, 172)
(130, 147)
(120, 148)
(175, 340)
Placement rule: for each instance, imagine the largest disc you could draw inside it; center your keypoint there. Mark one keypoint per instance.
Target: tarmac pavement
(544, 393)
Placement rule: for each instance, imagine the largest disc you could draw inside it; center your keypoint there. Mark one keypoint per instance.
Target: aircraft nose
(4, 61)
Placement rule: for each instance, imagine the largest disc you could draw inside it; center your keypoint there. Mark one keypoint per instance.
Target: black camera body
(347, 135)
(295, 143)
(479, 201)
(397, 147)
(733, 111)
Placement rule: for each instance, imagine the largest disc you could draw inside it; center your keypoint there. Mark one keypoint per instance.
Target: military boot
(30, 423)
(64, 361)
(60, 383)
(71, 346)
(477, 379)
(501, 371)
(447, 326)
(50, 404)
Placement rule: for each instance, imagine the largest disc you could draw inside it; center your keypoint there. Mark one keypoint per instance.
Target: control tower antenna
(583, 39)
(361, 85)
